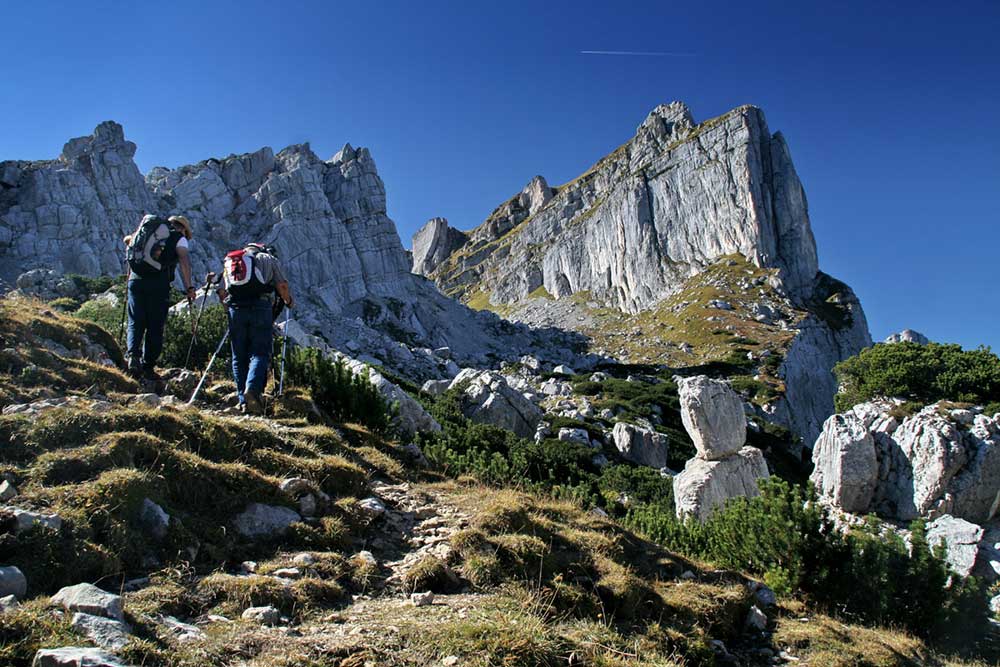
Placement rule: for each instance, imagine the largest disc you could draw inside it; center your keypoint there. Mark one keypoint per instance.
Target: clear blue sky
(892, 112)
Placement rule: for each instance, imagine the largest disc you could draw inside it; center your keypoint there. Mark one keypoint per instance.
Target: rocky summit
(641, 224)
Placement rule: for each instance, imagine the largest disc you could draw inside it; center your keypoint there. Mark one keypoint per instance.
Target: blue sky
(892, 110)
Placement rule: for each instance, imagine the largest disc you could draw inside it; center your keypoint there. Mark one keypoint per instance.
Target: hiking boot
(254, 404)
(134, 369)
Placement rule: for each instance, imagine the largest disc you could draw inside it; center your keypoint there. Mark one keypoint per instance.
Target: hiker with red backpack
(153, 251)
(252, 278)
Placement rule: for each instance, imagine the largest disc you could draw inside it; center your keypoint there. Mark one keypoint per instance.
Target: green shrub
(785, 536)
(177, 338)
(344, 396)
(922, 373)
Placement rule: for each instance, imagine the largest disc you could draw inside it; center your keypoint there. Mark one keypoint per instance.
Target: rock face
(657, 211)
(938, 461)
(713, 416)
(433, 243)
(326, 218)
(641, 445)
(722, 467)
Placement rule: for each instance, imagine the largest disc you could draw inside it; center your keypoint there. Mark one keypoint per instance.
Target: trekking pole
(209, 367)
(284, 350)
(209, 279)
(121, 327)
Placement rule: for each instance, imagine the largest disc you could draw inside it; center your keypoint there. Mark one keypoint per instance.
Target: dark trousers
(250, 335)
(147, 316)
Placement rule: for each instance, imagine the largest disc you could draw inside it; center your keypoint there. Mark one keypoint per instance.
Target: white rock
(183, 632)
(108, 633)
(89, 599)
(577, 435)
(563, 369)
(845, 463)
(259, 520)
(435, 387)
(638, 444)
(304, 559)
(263, 615)
(8, 602)
(488, 399)
(13, 582)
(704, 486)
(287, 573)
(7, 491)
(907, 335)
(26, 520)
(713, 416)
(372, 506)
(72, 656)
(962, 544)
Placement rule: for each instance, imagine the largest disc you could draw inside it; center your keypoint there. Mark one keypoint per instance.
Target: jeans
(147, 316)
(250, 335)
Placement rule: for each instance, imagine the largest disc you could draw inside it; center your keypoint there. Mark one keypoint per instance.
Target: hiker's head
(181, 224)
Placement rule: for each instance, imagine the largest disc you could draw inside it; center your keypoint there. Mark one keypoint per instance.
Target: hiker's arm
(284, 293)
(184, 260)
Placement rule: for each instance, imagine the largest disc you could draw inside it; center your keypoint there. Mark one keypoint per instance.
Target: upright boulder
(713, 416)
(846, 469)
(722, 468)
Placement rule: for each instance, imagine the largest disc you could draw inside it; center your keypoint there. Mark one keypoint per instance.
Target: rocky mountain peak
(108, 136)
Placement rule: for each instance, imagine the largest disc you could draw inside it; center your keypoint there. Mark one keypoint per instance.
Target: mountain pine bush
(337, 391)
(922, 373)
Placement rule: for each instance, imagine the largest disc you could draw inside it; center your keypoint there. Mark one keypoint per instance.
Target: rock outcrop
(433, 243)
(907, 336)
(658, 210)
(326, 218)
(941, 460)
(488, 398)
(723, 467)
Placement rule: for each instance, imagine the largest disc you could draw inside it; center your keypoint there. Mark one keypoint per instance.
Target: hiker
(153, 250)
(252, 277)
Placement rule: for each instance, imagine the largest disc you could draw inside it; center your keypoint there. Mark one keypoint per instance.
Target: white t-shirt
(182, 242)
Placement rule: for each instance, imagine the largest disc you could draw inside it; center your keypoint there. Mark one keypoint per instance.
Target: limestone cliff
(327, 219)
(642, 222)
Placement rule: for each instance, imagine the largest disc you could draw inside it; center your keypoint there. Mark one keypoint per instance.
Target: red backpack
(243, 281)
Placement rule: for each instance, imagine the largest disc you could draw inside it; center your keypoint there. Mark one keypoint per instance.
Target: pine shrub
(344, 396)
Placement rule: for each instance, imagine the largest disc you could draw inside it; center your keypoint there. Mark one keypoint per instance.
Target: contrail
(638, 53)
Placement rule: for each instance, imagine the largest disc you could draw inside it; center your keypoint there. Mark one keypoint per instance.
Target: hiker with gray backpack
(254, 291)
(153, 252)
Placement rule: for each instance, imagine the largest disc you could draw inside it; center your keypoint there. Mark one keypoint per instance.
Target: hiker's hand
(191, 295)
(290, 302)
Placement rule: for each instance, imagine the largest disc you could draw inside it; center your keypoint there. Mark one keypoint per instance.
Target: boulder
(89, 599)
(72, 656)
(7, 491)
(259, 520)
(409, 416)
(488, 399)
(564, 370)
(435, 387)
(704, 485)
(962, 540)
(182, 632)
(8, 602)
(641, 445)
(578, 435)
(26, 520)
(263, 615)
(154, 519)
(13, 582)
(422, 599)
(845, 463)
(107, 633)
(372, 506)
(713, 416)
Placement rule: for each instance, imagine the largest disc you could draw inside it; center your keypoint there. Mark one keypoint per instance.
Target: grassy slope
(541, 581)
